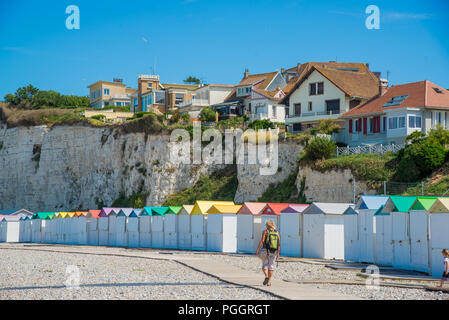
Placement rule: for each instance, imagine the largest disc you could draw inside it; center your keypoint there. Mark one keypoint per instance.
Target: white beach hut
(25, 229)
(145, 228)
(365, 207)
(324, 236)
(157, 227)
(198, 222)
(170, 227)
(248, 226)
(132, 228)
(438, 219)
(103, 226)
(3, 228)
(291, 227)
(401, 231)
(383, 250)
(222, 228)
(183, 228)
(352, 239)
(120, 227)
(80, 220)
(419, 235)
(92, 227)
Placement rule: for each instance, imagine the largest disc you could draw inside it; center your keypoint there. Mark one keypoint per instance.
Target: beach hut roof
(93, 213)
(13, 218)
(186, 209)
(136, 213)
(173, 209)
(125, 212)
(424, 203)
(201, 207)
(219, 208)
(44, 215)
(106, 211)
(81, 213)
(402, 203)
(295, 208)
(154, 211)
(371, 202)
(13, 212)
(350, 210)
(275, 208)
(328, 208)
(441, 205)
(254, 208)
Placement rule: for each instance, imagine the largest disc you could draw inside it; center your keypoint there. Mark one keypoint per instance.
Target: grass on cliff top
(437, 184)
(366, 167)
(220, 186)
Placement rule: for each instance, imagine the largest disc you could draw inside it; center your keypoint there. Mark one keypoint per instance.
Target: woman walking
(270, 253)
(445, 276)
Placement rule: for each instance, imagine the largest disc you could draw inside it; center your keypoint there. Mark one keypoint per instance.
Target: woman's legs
(270, 274)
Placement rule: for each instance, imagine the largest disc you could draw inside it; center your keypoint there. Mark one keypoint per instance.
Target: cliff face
(76, 167)
(69, 168)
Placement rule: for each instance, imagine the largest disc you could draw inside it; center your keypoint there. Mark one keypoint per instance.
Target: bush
(320, 148)
(207, 114)
(185, 118)
(419, 159)
(261, 124)
(99, 117)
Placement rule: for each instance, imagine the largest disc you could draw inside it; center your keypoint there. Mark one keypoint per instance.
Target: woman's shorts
(269, 261)
(445, 276)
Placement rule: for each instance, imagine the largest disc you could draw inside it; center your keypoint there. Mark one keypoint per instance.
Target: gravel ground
(306, 271)
(27, 274)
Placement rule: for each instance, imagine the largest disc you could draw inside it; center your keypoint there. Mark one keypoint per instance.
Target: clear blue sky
(214, 40)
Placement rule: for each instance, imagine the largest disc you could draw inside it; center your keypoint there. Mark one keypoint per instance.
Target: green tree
(185, 118)
(46, 99)
(440, 134)
(26, 94)
(207, 114)
(415, 137)
(261, 124)
(191, 79)
(327, 126)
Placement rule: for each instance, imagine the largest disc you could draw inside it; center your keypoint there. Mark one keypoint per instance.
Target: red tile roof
(420, 95)
(262, 80)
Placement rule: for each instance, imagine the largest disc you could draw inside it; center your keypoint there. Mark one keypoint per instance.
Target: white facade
(92, 231)
(317, 110)
(157, 232)
(291, 234)
(103, 231)
(198, 225)
(145, 231)
(352, 240)
(262, 109)
(183, 231)
(439, 240)
(419, 259)
(170, 235)
(384, 247)
(132, 231)
(248, 233)
(222, 233)
(401, 240)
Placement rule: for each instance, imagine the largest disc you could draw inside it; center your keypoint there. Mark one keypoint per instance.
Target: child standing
(445, 276)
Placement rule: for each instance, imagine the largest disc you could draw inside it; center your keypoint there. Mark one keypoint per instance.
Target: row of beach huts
(404, 232)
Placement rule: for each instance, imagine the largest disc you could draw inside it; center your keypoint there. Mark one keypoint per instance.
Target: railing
(378, 149)
(314, 114)
(194, 102)
(258, 116)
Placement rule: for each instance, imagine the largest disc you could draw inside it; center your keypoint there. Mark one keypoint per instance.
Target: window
(356, 123)
(401, 122)
(320, 87)
(297, 109)
(384, 123)
(395, 101)
(310, 105)
(150, 85)
(179, 98)
(393, 123)
(274, 111)
(439, 118)
(248, 90)
(106, 92)
(118, 104)
(297, 127)
(371, 125)
(312, 89)
(418, 122)
(160, 97)
(333, 106)
(316, 88)
(411, 122)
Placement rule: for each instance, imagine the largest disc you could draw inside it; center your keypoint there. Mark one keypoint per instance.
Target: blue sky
(214, 40)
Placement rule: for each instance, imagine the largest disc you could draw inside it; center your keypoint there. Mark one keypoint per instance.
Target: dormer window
(437, 90)
(395, 101)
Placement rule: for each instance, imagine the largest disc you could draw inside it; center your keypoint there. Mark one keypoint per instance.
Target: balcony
(194, 102)
(314, 116)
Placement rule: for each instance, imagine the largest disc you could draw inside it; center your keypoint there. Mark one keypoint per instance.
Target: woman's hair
(445, 252)
(270, 223)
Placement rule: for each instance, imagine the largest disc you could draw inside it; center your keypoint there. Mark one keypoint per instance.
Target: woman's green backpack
(272, 241)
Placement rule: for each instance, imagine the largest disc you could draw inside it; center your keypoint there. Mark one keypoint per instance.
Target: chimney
(383, 86)
(367, 65)
(377, 74)
(246, 74)
(298, 66)
(282, 70)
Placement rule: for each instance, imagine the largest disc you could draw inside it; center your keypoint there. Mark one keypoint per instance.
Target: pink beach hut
(248, 226)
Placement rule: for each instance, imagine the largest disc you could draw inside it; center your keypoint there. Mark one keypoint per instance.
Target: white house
(325, 90)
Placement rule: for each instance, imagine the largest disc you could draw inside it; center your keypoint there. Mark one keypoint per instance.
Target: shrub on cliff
(320, 148)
